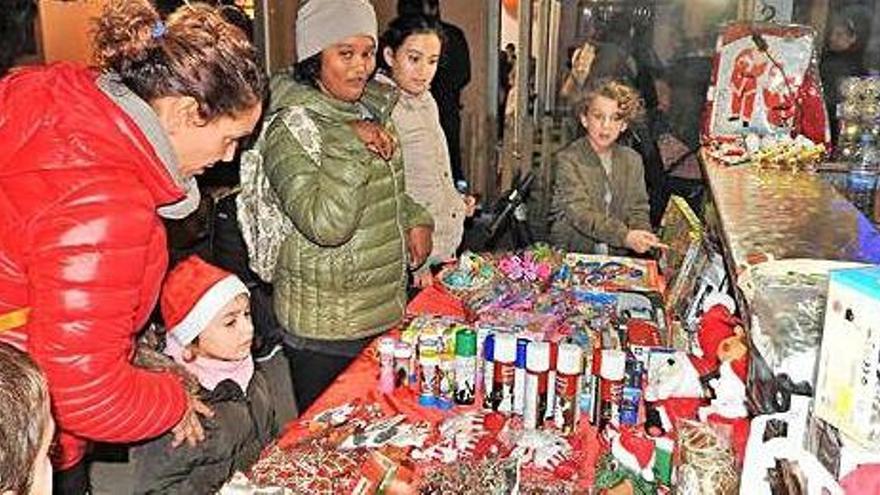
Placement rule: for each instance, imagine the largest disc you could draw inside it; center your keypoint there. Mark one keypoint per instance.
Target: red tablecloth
(361, 379)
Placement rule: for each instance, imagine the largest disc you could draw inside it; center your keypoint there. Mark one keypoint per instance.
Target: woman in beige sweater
(410, 50)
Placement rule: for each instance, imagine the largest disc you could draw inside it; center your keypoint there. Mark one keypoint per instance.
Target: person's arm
(638, 213)
(324, 201)
(574, 194)
(414, 214)
(85, 274)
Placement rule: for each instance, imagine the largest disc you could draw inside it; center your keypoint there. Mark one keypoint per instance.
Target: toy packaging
(848, 382)
(765, 81)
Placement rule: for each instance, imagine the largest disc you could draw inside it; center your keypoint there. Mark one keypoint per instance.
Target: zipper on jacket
(400, 229)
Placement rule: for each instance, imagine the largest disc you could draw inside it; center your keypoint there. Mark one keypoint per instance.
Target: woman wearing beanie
(209, 333)
(330, 154)
(90, 161)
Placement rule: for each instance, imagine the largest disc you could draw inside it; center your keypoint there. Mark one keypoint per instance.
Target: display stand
(770, 216)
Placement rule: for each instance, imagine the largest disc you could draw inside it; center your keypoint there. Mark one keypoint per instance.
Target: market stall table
(360, 384)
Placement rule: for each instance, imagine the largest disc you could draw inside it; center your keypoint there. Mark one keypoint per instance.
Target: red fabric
(640, 447)
(716, 325)
(361, 382)
(82, 246)
(865, 479)
(435, 300)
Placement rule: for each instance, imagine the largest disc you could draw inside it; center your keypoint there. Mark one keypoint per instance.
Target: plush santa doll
(725, 354)
(726, 358)
(673, 391)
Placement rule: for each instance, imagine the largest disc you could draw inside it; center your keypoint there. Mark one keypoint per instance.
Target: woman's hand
(470, 204)
(419, 244)
(423, 278)
(641, 241)
(189, 428)
(375, 137)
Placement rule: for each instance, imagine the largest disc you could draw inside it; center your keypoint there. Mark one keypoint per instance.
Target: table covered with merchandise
(536, 371)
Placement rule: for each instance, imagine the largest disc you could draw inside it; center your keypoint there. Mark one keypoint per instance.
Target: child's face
(230, 333)
(414, 63)
(603, 123)
(840, 39)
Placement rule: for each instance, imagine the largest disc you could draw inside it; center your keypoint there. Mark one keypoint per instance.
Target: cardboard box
(848, 381)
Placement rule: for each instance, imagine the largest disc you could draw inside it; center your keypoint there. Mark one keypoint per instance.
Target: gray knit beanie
(321, 23)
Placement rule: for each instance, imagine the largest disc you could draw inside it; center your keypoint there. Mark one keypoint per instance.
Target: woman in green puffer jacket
(331, 155)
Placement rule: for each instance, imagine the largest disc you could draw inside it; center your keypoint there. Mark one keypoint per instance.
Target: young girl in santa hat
(209, 333)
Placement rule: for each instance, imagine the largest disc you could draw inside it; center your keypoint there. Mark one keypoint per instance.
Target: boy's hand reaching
(641, 241)
(189, 428)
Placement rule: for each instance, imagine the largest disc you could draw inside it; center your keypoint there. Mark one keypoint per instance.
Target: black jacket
(234, 437)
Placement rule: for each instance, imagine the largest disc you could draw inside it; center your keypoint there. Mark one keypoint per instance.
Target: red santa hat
(716, 325)
(193, 293)
(634, 451)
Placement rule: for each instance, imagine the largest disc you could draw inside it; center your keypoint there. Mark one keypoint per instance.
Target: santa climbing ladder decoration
(765, 81)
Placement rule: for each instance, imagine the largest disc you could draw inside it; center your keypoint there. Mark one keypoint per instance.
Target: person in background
(91, 161)
(506, 64)
(599, 203)
(26, 426)
(208, 333)
(330, 154)
(842, 58)
(453, 75)
(16, 18)
(409, 51)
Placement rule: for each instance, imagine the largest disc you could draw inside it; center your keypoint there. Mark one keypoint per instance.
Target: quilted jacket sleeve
(86, 270)
(325, 202)
(415, 214)
(574, 195)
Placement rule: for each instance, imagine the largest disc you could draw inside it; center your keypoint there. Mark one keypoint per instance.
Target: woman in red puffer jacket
(89, 161)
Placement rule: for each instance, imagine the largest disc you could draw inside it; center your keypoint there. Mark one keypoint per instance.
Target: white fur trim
(206, 308)
(631, 462)
(613, 365)
(717, 298)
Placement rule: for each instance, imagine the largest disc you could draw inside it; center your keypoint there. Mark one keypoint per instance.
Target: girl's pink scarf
(210, 372)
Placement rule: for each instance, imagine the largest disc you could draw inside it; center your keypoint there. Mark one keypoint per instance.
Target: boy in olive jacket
(600, 204)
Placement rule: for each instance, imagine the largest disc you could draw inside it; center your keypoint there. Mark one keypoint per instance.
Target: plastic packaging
(386, 365)
(430, 382)
(569, 366)
(502, 382)
(465, 366)
(550, 414)
(535, 396)
(519, 375)
(446, 378)
(862, 178)
(612, 370)
(404, 374)
(488, 371)
(631, 396)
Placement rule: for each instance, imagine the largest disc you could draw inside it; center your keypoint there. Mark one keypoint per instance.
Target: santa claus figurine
(725, 354)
